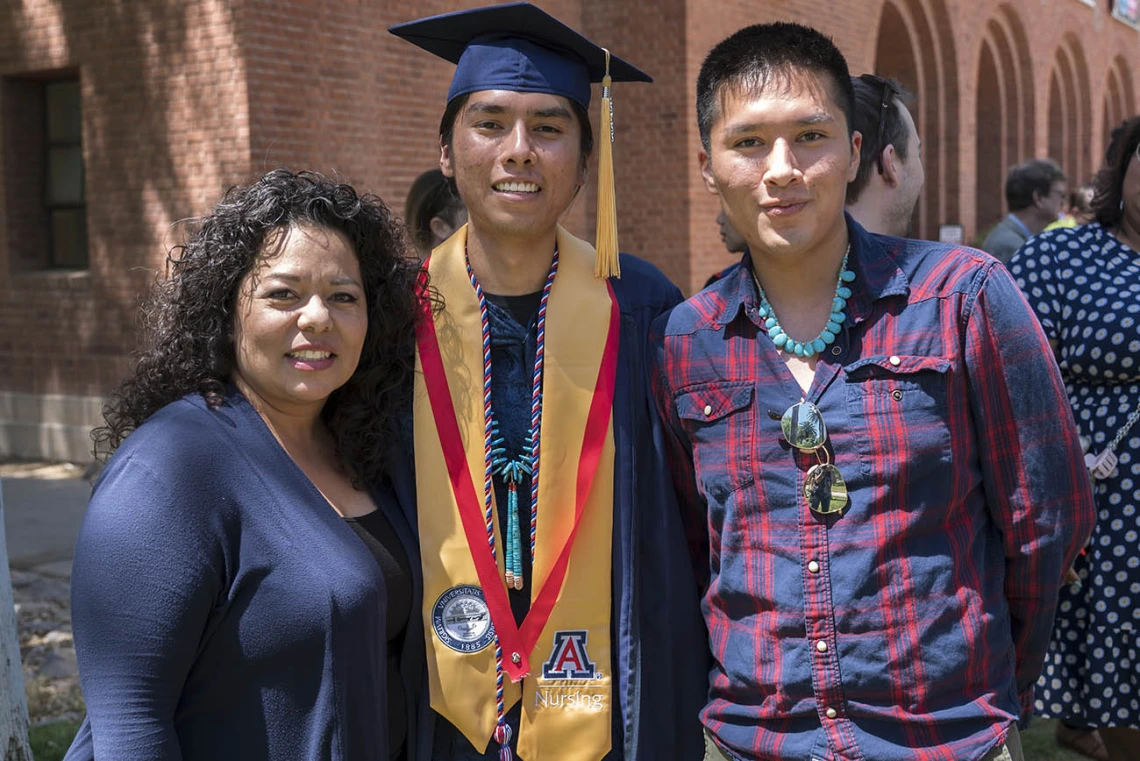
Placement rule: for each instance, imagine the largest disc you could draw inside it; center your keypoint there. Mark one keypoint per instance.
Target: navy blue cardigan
(222, 609)
(660, 646)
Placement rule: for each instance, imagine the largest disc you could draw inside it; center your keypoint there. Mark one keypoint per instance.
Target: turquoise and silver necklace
(835, 320)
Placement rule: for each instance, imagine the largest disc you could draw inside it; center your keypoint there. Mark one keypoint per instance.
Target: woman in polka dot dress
(1084, 284)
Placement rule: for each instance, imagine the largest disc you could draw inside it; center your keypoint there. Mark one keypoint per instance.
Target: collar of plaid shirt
(911, 626)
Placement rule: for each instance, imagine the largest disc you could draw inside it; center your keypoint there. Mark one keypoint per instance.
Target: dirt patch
(47, 650)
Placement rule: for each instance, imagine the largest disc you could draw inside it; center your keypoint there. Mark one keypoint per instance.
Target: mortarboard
(520, 47)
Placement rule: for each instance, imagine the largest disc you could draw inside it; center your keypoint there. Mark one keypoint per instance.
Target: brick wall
(331, 90)
(182, 98)
(164, 130)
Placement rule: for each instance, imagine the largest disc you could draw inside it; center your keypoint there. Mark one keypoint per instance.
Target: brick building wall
(165, 128)
(182, 98)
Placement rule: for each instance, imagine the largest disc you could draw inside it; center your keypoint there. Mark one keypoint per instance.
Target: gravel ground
(47, 651)
(43, 618)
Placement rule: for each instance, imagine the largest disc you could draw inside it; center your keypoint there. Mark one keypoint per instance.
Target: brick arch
(1009, 34)
(916, 47)
(1113, 108)
(1127, 92)
(1070, 113)
(992, 116)
(1058, 116)
(1074, 72)
(1066, 79)
(1119, 97)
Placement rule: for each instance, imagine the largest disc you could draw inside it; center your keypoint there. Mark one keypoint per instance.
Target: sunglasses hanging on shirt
(824, 488)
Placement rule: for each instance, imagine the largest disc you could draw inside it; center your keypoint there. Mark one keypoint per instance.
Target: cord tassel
(503, 738)
(606, 263)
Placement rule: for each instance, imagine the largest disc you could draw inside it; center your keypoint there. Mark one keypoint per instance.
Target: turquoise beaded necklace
(827, 336)
(498, 462)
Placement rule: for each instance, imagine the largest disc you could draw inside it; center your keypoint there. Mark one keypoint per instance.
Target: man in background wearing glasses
(890, 176)
(1035, 192)
(879, 469)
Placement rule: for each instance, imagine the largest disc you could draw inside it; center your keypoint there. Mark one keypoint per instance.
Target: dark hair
(456, 104)
(188, 321)
(749, 58)
(1109, 182)
(878, 111)
(1034, 176)
(431, 195)
(1079, 199)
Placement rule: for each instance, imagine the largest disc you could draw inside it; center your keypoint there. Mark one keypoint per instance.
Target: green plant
(1039, 743)
(50, 741)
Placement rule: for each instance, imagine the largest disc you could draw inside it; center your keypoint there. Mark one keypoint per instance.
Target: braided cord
(536, 403)
(490, 449)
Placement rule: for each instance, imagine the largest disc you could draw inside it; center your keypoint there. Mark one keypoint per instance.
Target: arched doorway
(1009, 35)
(1070, 112)
(1080, 151)
(1119, 99)
(1003, 113)
(1058, 116)
(990, 161)
(1113, 103)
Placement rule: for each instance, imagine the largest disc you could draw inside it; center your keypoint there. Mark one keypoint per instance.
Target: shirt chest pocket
(899, 405)
(720, 420)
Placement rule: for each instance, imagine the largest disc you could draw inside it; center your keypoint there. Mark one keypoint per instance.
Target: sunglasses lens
(803, 426)
(825, 490)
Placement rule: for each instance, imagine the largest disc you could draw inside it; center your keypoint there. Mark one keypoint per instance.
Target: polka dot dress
(1085, 288)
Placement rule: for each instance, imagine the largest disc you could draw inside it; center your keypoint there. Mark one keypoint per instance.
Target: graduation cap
(522, 48)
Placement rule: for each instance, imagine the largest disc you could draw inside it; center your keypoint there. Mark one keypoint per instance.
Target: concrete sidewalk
(42, 514)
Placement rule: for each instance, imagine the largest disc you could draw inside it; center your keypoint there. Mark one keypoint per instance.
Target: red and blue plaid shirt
(911, 626)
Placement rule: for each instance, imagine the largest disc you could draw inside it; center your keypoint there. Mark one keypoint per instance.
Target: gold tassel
(606, 263)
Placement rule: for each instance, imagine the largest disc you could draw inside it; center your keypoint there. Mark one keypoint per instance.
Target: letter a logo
(568, 658)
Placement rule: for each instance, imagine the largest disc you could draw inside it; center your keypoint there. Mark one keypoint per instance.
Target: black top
(381, 540)
(513, 347)
(522, 308)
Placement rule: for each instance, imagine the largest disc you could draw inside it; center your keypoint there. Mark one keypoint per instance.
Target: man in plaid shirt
(879, 466)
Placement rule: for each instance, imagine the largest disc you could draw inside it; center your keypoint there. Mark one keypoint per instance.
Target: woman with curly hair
(245, 576)
(1084, 284)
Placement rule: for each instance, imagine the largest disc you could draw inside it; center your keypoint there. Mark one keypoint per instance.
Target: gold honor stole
(561, 654)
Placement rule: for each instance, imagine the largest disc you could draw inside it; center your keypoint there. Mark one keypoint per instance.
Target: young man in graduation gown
(561, 620)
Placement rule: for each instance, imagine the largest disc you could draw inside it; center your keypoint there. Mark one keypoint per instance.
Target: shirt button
(896, 395)
(831, 713)
(708, 410)
(837, 350)
(821, 646)
(895, 361)
(813, 567)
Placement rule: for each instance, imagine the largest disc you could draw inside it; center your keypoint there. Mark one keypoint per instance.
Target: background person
(1082, 283)
(886, 188)
(733, 243)
(602, 657)
(1035, 192)
(433, 211)
(731, 239)
(1079, 210)
(224, 603)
